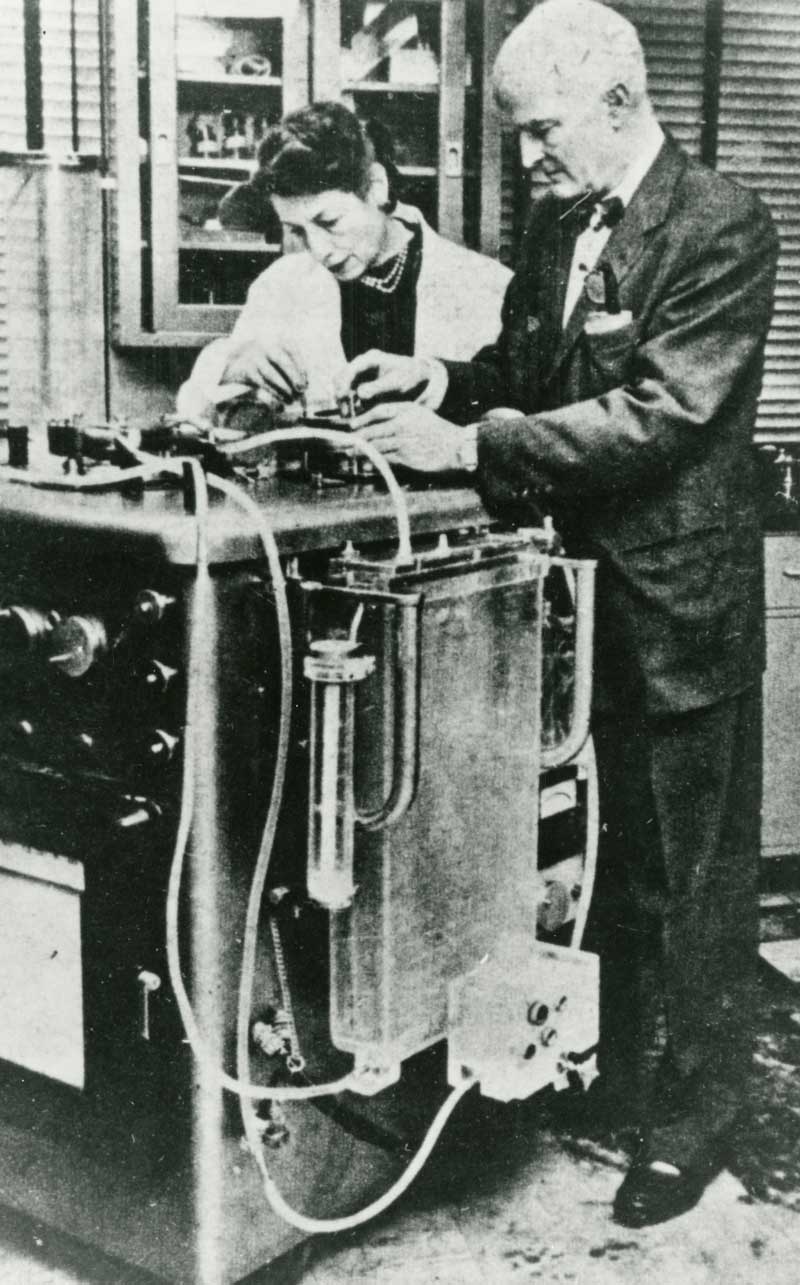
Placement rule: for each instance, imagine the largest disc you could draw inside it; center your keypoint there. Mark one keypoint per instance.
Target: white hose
(350, 440)
(194, 695)
(589, 761)
(316, 1226)
(241, 1085)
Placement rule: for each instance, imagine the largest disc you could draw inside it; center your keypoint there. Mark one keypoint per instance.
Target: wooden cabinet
(781, 812)
(196, 84)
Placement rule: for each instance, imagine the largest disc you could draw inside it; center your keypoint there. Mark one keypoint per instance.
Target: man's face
(343, 232)
(567, 141)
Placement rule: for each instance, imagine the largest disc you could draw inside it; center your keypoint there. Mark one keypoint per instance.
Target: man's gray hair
(570, 46)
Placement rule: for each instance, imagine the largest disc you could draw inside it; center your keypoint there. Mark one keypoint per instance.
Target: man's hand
(270, 367)
(411, 435)
(391, 375)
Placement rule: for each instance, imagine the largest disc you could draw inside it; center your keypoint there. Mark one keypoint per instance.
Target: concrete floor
(546, 1220)
(521, 1199)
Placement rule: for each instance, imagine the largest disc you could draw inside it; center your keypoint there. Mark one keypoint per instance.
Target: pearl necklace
(389, 283)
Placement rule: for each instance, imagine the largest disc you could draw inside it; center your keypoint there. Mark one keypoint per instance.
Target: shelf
(387, 87)
(251, 82)
(394, 87)
(217, 163)
(237, 242)
(238, 10)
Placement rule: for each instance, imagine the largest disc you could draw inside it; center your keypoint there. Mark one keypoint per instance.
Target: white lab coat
(296, 301)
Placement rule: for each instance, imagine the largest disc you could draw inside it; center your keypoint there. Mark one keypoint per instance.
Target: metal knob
(22, 631)
(76, 643)
(151, 606)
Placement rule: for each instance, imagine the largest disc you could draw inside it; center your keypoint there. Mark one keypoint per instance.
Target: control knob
(158, 677)
(151, 606)
(76, 643)
(22, 630)
(159, 748)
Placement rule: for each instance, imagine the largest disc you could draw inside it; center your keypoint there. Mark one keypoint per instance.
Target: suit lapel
(647, 210)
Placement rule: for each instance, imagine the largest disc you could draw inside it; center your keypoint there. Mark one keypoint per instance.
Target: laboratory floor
(522, 1196)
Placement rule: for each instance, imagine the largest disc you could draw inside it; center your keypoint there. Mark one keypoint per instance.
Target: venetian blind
(12, 77)
(71, 76)
(672, 33)
(759, 145)
(12, 139)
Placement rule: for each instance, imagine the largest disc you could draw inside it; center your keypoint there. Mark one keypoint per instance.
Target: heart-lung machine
(282, 822)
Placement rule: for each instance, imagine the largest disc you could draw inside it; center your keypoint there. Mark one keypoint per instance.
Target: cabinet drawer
(782, 564)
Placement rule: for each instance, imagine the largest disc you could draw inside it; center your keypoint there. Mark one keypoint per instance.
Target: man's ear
(618, 101)
(378, 193)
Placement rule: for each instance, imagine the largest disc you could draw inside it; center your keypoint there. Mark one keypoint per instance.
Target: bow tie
(600, 212)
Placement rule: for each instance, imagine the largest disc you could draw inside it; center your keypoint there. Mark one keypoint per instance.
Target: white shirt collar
(636, 171)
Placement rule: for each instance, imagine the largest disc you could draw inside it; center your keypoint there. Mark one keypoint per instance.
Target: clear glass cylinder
(333, 672)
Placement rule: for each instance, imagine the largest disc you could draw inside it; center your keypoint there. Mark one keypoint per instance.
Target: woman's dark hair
(322, 147)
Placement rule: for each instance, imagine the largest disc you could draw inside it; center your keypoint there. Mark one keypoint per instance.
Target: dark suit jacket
(639, 441)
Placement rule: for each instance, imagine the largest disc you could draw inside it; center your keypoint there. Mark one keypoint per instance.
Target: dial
(76, 643)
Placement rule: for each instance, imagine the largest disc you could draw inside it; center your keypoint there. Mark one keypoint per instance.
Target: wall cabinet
(197, 83)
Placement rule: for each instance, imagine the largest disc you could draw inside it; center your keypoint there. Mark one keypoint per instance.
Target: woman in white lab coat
(367, 272)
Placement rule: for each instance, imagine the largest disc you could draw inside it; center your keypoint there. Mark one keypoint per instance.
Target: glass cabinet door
(197, 82)
(415, 66)
(219, 73)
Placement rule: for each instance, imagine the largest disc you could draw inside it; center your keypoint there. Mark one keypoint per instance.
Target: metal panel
(41, 989)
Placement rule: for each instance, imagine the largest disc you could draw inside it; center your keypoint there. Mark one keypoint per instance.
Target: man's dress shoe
(652, 1192)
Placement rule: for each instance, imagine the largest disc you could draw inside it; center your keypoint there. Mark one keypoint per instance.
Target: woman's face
(343, 232)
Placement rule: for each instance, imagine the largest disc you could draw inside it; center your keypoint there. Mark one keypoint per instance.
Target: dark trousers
(675, 912)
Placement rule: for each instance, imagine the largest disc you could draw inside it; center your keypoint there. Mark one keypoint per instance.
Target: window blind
(672, 33)
(13, 128)
(759, 145)
(71, 76)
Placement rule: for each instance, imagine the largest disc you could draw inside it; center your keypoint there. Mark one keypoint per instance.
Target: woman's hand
(270, 367)
(389, 375)
(412, 435)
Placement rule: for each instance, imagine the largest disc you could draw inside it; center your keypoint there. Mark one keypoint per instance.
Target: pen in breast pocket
(603, 289)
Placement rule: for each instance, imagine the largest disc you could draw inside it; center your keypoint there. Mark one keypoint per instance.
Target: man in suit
(631, 357)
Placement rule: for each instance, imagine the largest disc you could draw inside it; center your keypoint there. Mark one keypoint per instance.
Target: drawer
(782, 566)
